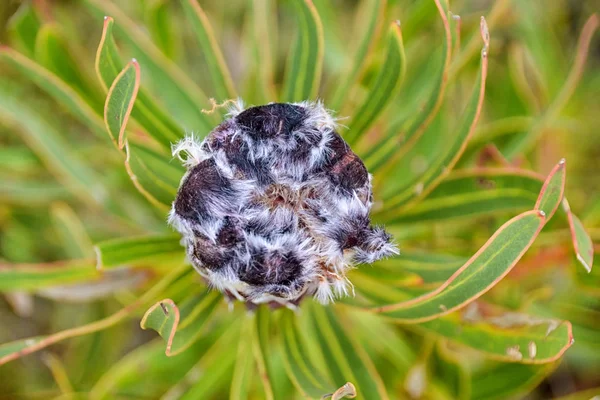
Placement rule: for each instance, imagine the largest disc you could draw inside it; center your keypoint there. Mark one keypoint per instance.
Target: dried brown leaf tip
(275, 205)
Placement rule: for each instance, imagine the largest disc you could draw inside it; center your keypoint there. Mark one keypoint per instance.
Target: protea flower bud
(275, 206)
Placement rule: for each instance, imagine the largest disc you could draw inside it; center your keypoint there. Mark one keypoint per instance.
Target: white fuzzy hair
(311, 241)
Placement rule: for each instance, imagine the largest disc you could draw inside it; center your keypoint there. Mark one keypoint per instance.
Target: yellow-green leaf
(220, 76)
(119, 102)
(164, 318)
(303, 72)
(384, 88)
(120, 252)
(492, 262)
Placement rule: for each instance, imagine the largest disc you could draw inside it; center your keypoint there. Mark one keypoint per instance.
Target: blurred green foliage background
(64, 188)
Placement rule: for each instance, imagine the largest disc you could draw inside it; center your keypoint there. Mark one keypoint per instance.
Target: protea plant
(238, 178)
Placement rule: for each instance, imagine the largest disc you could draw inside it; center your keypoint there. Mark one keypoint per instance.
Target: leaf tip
(581, 260)
(541, 213)
(98, 252)
(485, 33)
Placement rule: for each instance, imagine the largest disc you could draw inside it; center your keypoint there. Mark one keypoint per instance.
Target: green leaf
(220, 76)
(119, 102)
(386, 151)
(243, 371)
(31, 192)
(213, 373)
(160, 372)
(155, 120)
(435, 172)
(19, 348)
(262, 350)
(490, 264)
(301, 372)
(119, 252)
(374, 17)
(524, 342)
(163, 317)
(504, 381)
(303, 72)
(383, 90)
(526, 142)
(56, 88)
(23, 28)
(108, 63)
(553, 190)
(70, 229)
(153, 175)
(35, 276)
(471, 193)
(264, 20)
(582, 243)
(161, 24)
(430, 267)
(346, 360)
(450, 371)
(180, 96)
(51, 147)
(53, 52)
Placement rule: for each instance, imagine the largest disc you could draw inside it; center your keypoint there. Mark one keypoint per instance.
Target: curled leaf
(119, 102)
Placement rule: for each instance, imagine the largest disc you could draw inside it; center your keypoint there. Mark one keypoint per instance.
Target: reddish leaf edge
(427, 296)
(560, 167)
(175, 324)
(133, 63)
(107, 21)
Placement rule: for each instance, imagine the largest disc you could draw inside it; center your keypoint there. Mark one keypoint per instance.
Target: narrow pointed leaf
(19, 348)
(303, 73)
(386, 151)
(384, 89)
(56, 88)
(153, 175)
(119, 102)
(539, 343)
(52, 51)
(180, 96)
(220, 76)
(372, 22)
(262, 350)
(430, 267)
(346, 360)
(164, 318)
(160, 372)
(155, 120)
(244, 364)
(492, 262)
(31, 192)
(475, 192)
(119, 252)
(23, 28)
(553, 190)
(71, 231)
(303, 375)
(214, 372)
(35, 276)
(452, 151)
(161, 24)
(582, 243)
(52, 148)
(505, 381)
(264, 20)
